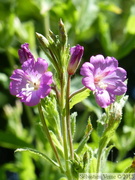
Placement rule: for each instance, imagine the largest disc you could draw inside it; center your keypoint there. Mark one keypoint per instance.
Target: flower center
(102, 85)
(36, 85)
(99, 83)
(30, 86)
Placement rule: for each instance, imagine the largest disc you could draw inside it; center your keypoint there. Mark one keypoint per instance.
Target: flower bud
(24, 53)
(63, 33)
(42, 40)
(76, 55)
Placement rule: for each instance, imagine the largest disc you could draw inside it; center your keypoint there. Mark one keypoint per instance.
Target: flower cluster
(32, 82)
(104, 78)
(101, 75)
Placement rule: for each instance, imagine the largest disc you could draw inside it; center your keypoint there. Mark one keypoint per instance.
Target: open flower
(104, 78)
(24, 53)
(76, 55)
(31, 83)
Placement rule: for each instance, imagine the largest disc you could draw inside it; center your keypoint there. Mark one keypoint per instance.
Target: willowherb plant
(35, 85)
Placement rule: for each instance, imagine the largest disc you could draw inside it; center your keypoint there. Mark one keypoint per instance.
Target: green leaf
(9, 140)
(126, 46)
(110, 6)
(131, 169)
(113, 120)
(87, 13)
(130, 26)
(51, 114)
(87, 157)
(105, 35)
(57, 144)
(101, 124)
(26, 168)
(85, 138)
(4, 80)
(105, 156)
(122, 165)
(129, 115)
(78, 97)
(107, 135)
(73, 123)
(76, 168)
(7, 32)
(93, 165)
(34, 151)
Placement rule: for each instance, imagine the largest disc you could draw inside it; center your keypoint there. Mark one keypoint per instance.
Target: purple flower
(31, 83)
(76, 55)
(105, 78)
(24, 53)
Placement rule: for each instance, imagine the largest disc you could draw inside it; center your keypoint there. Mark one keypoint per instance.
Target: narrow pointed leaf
(73, 123)
(34, 151)
(85, 138)
(57, 144)
(79, 97)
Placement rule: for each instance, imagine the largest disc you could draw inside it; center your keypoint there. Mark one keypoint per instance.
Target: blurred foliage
(102, 26)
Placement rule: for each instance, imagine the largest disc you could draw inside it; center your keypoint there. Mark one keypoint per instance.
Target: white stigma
(30, 86)
(102, 85)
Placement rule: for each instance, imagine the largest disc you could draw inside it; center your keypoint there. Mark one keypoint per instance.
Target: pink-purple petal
(17, 75)
(87, 69)
(46, 78)
(120, 72)
(14, 88)
(102, 65)
(19, 80)
(103, 98)
(119, 89)
(97, 59)
(28, 65)
(43, 91)
(40, 66)
(32, 99)
(89, 82)
(24, 53)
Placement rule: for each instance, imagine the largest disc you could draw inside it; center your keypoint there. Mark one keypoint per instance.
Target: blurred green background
(103, 27)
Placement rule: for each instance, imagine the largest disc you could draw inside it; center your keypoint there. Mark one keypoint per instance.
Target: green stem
(99, 161)
(46, 130)
(64, 129)
(68, 119)
(54, 87)
(46, 23)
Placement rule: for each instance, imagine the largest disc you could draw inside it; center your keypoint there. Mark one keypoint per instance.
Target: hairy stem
(64, 128)
(68, 118)
(46, 130)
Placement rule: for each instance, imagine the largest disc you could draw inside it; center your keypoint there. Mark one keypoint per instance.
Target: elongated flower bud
(63, 33)
(42, 40)
(76, 55)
